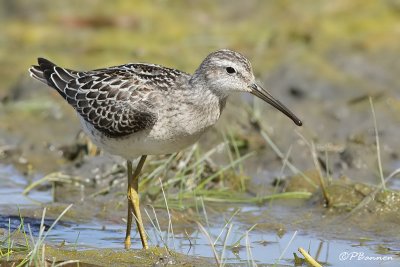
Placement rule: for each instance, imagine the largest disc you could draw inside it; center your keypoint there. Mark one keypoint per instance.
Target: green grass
(9, 244)
(33, 248)
(197, 178)
(186, 177)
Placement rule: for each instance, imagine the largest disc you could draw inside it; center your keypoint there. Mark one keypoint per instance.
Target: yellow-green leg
(133, 203)
(129, 217)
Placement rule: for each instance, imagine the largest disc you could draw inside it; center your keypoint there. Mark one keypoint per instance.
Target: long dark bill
(267, 97)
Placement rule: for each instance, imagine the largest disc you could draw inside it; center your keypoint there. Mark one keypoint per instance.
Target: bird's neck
(206, 94)
(208, 99)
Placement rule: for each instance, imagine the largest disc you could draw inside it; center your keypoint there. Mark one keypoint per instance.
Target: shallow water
(12, 184)
(266, 246)
(323, 67)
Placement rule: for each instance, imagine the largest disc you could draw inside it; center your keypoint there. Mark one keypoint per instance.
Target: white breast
(177, 127)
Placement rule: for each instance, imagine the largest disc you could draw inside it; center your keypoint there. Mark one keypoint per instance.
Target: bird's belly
(140, 143)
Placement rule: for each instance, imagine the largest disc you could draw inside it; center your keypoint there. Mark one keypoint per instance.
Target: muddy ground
(323, 60)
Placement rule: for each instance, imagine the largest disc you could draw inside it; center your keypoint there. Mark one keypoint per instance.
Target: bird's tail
(43, 71)
(49, 73)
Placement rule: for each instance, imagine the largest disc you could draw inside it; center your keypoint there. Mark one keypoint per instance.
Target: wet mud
(258, 190)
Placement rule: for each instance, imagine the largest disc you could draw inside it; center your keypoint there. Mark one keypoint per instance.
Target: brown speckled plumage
(117, 100)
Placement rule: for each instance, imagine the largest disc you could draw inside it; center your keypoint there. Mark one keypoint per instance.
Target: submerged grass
(223, 244)
(9, 246)
(286, 248)
(34, 256)
(33, 250)
(37, 253)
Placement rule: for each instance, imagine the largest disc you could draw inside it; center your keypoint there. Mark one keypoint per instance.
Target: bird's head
(226, 71)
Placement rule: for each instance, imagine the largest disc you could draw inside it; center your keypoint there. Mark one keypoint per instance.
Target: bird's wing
(117, 101)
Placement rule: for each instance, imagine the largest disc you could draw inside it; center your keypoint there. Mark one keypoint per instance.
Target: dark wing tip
(45, 63)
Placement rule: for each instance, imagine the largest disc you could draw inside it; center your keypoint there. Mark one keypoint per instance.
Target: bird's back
(117, 101)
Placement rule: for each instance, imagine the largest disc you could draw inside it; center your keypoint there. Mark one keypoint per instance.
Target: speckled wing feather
(117, 101)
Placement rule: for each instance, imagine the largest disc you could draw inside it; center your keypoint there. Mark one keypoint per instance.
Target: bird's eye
(230, 70)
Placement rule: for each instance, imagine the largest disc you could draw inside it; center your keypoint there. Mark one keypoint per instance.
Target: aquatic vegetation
(326, 59)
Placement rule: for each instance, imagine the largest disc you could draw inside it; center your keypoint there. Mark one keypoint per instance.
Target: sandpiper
(141, 109)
